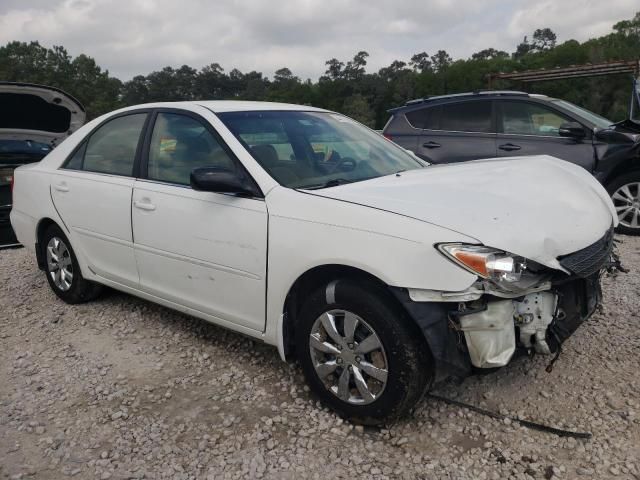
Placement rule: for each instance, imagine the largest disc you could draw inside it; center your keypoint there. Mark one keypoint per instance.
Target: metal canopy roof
(574, 71)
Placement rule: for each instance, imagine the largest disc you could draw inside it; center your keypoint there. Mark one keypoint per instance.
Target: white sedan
(379, 273)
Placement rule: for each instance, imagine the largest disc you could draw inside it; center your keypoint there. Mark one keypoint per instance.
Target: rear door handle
(509, 147)
(144, 206)
(61, 187)
(431, 145)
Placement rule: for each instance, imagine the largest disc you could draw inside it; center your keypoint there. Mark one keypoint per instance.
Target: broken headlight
(505, 270)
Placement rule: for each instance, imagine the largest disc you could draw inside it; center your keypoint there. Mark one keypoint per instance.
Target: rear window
(466, 117)
(111, 148)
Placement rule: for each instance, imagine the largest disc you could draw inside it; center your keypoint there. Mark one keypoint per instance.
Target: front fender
(307, 231)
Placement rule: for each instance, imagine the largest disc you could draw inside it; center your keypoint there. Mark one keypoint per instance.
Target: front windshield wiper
(331, 183)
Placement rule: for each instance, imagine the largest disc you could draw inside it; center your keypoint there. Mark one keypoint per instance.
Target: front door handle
(509, 147)
(61, 187)
(431, 145)
(144, 206)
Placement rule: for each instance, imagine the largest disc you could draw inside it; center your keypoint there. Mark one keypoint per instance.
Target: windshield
(316, 149)
(594, 118)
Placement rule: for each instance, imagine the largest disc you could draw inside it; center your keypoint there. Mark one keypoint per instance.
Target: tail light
(6, 177)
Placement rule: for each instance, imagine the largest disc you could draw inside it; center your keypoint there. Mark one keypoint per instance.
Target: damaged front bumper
(488, 331)
(486, 326)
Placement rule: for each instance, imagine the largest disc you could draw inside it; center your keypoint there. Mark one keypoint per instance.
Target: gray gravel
(121, 388)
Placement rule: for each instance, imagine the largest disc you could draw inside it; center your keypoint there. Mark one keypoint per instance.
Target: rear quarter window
(424, 118)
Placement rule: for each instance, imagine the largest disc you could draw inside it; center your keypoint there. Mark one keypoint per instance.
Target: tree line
(346, 86)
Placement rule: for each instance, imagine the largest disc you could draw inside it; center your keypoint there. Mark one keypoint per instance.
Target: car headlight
(504, 269)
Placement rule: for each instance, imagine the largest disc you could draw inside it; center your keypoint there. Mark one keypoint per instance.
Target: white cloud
(574, 19)
(131, 37)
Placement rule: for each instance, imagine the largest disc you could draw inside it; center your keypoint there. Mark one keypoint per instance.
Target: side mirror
(219, 180)
(572, 130)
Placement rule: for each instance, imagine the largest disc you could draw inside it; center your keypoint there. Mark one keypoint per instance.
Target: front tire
(625, 194)
(62, 269)
(360, 353)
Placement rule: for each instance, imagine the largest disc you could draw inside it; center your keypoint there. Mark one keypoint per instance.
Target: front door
(206, 251)
(92, 193)
(528, 128)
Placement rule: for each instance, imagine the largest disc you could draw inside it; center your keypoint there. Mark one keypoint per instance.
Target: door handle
(61, 187)
(144, 206)
(509, 147)
(431, 145)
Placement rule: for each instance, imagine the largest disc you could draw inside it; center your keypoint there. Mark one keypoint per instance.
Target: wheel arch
(41, 227)
(312, 279)
(630, 165)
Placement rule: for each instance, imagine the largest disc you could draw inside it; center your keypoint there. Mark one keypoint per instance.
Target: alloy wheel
(59, 264)
(348, 357)
(627, 202)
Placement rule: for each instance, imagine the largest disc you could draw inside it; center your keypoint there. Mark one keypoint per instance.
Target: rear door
(456, 132)
(531, 128)
(92, 193)
(202, 250)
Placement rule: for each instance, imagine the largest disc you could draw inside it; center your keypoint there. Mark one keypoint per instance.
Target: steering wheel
(340, 165)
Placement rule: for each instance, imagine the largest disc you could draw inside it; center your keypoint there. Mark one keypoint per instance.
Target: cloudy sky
(130, 37)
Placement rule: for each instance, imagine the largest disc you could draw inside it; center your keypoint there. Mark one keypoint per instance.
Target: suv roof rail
(418, 101)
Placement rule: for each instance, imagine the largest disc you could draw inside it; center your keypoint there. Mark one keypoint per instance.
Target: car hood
(539, 207)
(38, 113)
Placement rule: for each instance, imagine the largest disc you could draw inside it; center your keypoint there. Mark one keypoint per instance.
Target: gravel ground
(121, 388)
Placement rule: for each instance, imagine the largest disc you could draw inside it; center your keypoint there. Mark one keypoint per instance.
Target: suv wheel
(360, 354)
(625, 193)
(62, 269)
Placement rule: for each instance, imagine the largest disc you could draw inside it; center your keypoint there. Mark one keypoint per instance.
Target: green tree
(334, 68)
(357, 107)
(355, 69)
(440, 61)
(420, 62)
(488, 54)
(543, 39)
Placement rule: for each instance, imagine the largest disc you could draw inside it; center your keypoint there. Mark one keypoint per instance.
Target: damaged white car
(304, 229)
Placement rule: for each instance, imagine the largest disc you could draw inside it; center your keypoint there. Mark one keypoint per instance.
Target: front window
(597, 120)
(526, 118)
(180, 144)
(316, 149)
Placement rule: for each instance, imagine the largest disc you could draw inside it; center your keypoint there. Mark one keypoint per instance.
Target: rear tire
(370, 373)
(625, 193)
(62, 269)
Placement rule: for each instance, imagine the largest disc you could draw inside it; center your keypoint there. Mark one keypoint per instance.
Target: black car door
(458, 131)
(532, 128)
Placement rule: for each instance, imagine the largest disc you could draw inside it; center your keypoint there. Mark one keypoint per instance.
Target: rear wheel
(62, 269)
(625, 193)
(361, 355)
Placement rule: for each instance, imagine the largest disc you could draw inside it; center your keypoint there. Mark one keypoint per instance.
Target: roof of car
(497, 93)
(219, 106)
(246, 106)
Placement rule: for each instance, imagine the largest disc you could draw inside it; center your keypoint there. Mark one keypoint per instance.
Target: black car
(33, 120)
(486, 124)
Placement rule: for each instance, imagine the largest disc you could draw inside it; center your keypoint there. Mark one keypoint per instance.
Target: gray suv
(487, 124)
